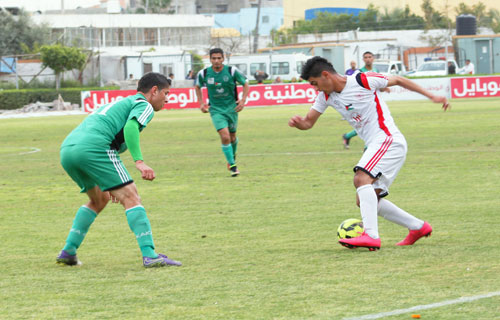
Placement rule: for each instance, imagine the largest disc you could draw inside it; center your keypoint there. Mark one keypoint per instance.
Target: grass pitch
(263, 245)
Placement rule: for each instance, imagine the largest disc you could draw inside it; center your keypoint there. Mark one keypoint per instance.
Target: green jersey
(221, 87)
(366, 70)
(104, 127)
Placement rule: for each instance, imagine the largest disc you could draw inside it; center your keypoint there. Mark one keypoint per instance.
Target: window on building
(150, 36)
(280, 68)
(253, 5)
(166, 68)
(221, 8)
(300, 65)
(254, 67)
(241, 66)
(265, 19)
(147, 67)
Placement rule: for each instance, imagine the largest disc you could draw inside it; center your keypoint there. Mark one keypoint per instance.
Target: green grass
(263, 245)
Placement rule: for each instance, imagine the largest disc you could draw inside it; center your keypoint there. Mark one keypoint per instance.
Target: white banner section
(437, 86)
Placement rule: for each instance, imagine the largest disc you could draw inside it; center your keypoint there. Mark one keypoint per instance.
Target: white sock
(393, 213)
(368, 205)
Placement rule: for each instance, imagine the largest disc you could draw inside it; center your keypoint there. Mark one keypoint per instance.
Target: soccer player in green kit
(224, 106)
(89, 155)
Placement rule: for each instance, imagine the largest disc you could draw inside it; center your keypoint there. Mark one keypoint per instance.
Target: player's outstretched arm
(412, 86)
(304, 123)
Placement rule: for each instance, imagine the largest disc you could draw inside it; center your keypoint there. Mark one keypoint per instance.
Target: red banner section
(475, 87)
(184, 98)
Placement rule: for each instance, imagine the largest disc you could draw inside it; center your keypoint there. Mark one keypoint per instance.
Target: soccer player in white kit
(356, 99)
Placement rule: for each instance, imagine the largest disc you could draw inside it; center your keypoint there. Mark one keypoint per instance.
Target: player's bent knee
(98, 204)
(361, 178)
(127, 195)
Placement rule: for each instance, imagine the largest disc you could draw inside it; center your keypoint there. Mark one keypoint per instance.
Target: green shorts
(89, 166)
(225, 120)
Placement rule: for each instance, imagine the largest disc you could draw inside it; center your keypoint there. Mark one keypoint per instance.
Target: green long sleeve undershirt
(131, 135)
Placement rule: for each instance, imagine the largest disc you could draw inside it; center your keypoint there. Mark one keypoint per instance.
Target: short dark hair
(367, 52)
(315, 66)
(215, 50)
(152, 79)
(467, 60)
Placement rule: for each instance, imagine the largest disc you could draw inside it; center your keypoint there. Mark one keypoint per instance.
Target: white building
(140, 31)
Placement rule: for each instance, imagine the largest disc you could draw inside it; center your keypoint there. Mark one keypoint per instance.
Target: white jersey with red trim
(361, 106)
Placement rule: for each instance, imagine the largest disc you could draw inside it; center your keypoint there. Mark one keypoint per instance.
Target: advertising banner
(178, 98)
(475, 87)
(185, 98)
(437, 86)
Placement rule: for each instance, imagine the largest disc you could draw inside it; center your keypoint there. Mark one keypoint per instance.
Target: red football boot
(364, 241)
(414, 235)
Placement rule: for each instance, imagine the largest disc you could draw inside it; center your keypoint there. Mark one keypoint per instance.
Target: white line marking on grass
(425, 306)
(33, 150)
(315, 153)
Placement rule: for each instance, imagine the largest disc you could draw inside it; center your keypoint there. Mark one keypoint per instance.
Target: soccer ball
(350, 228)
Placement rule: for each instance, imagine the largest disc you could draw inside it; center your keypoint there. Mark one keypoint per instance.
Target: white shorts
(383, 159)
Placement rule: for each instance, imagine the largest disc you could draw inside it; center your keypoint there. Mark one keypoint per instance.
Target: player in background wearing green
(224, 106)
(89, 155)
(368, 60)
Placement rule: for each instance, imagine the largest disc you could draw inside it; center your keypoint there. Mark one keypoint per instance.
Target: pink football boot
(414, 235)
(363, 240)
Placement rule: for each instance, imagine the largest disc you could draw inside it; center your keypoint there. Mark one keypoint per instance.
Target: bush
(15, 99)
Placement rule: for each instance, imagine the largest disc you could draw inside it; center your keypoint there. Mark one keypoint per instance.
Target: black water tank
(466, 25)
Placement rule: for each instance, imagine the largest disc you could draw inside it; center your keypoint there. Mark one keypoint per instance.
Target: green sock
(234, 144)
(228, 152)
(81, 224)
(139, 224)
(351, 134)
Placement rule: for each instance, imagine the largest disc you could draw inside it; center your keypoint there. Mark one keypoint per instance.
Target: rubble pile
(56, 105)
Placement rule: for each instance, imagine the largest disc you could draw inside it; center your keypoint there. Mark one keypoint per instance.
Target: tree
(402, 19)
(495, 20)
(60, 58)
(18, 32)
(483, 18)
(369, 19)
(156, 6)
(433, 18)
(197, 63)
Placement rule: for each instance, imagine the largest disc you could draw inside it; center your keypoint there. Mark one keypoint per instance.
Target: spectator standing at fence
(260, 76)
(451, 68)
(352, 69)
(190, 75)
(468, 68)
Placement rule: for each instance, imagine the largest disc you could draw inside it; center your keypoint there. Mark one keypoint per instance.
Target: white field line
(33, 150)
(316, 153)
(14, 153)
(360, 152)
(15, 115)
(425, 306)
